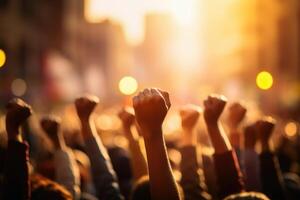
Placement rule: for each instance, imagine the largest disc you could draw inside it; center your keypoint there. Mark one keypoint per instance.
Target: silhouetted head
(141, 189)
(43, 188)
(247, 196)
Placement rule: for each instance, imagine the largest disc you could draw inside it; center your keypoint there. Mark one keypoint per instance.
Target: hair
(247, 196)
(120, 160)
(141, 190)
(43, 188)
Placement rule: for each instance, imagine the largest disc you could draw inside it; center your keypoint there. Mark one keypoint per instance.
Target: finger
(157, 95)
(135, 101)
(166, 97)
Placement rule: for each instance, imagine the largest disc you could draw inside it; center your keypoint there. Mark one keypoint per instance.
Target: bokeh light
(18, 87)
(290, 129)
(128, 85)
(2, 58)
(264, 80)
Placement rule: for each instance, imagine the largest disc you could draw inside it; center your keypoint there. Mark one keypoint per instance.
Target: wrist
(189, 138)
(152, 134)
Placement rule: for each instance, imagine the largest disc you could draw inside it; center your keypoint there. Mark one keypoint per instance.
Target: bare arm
(151, 107)
(138, 161)
(227, 168)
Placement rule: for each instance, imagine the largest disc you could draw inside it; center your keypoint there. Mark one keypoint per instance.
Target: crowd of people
(245, 163)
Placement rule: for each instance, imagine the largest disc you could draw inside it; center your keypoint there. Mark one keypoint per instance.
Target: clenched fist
(151, 107)
(17, 112)
(189, 116)
(127, 117)
(236, 115)
(51, 125)
(264, 129)
(213, 108)
(85, 106)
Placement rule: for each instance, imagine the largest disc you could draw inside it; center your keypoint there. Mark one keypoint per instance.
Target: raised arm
(66, 169)
(16, 169)
(236, 115)
(104, 176)
(251, 160)
(151, 107)
(227, 168)
(271, 176)
(192, 182)
(138, 161)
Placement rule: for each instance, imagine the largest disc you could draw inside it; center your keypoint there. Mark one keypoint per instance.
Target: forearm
(103, 174)
(218, 138)
(138, 161)
(163, 185)
(16, 174)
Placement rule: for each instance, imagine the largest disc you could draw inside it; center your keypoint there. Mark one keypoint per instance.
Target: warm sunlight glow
(290, 129)
(184, 12)
(131, 13)
(2, 58)
(264, 80)
(128, 85)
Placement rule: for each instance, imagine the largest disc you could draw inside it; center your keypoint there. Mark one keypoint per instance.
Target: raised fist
(85, 106)
(250, 136)
(213, 108)
(151, 107)
(264, 128)
(51, 125)
(17, 113)
(236, 115)
(126, 115)
(189, 116)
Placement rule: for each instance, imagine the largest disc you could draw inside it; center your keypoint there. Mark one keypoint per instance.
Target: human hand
(151, 107)
(189, 116)
(264, 128)
(236, 115)
(85, 106)
(51, 125)
(17, 113)
(213, 108)
(127, 117)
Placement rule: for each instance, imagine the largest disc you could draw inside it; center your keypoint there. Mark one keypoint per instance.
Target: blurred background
(52, 51)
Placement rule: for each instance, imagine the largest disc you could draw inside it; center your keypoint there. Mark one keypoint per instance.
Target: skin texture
(151, 107)
(100, 162)
(17, 113)
(189, 117)
(51, 126)
(16, 171)
(264, 129)
(138, 160)
(236, 114)
(213, 108)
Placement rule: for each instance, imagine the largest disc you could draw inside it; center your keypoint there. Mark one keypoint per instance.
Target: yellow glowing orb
(128, 85)
(290, 129)
(264, 80)
(2, 58)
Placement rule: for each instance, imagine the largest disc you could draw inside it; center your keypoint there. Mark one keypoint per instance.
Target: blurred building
(31, 31)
